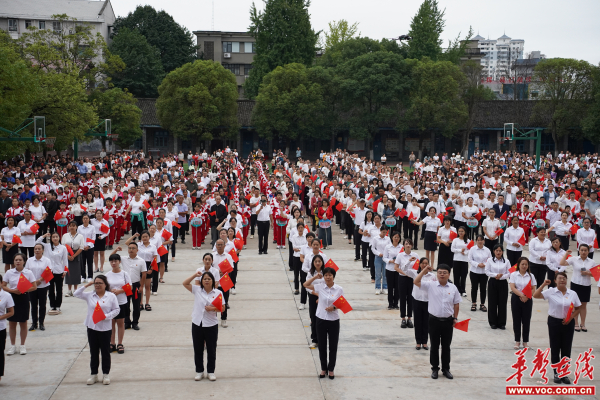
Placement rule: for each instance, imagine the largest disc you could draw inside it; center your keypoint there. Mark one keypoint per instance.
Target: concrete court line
(285, 271)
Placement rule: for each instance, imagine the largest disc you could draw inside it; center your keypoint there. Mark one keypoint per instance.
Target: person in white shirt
(58, 256)
(27, 235)
(7, 310)
(562, 229)
(560, 328)
(378, 246)
(205, 323)
(136, 267)
(297, 240)
(9, 248)
(478, 256)
(118, 279)
(314, 277)
(38, 264)
(389, 255)
(538, 250)
(421, 303)
(99, 333)
(496, 268)
(403, 261)
(521, 305)
(581, 280)
(460, 260)
(490, 226)
(512, 235)
(585, 235)
(264, 219)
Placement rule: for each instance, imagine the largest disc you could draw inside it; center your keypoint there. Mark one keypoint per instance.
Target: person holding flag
(585, 235)
(137, 207)
(102, 230)
(135, 266)
(7, 310)
(208, 260)
(563, 308)
(147, 251)
(224, 263)
(404, 260)
(562, 229)
(515, 241)
(162, 239)
(496, 268)
(42, 270)
(58, 256)
(581, 281)
(18, 281)
(102, 307)
(445, 235)
(74, 242)
(522, 286)
(88, 233)
(314, 277)
(478, 256)
(208, 300)
(120, 284)
(460, 260)
(420, 302)
(28, 228)
(432, 224)
(10, 236)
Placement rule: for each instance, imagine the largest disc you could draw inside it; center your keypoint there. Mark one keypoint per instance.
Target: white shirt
(12, 277)
(58, 256)
(8, 234)
(457, 246)
(366, 227)
(37, 267)
(563, 229)
(297, 243)
(432, 224)
(558, 304)
(117, 280)
(390, 254)
(76, 242)
(147, 253)
(495, 266)
(219, 258)
(216, 273)
(108, 303)
(478, 256)
(441, 298)
(201, 317)
(88, 232)
(37, 213)
(417, 292)
(6, 301)
(491, 227)
(379, 244)
(134, 267)
(553, 260)
(136, 206)
(403, 260)
(538, 249)
(264, 213)
(327, 295)
(512, 235)
(308, 257)
(28, 240)
(578, 264)
(521, 281)
(316, 281)
(583, 237)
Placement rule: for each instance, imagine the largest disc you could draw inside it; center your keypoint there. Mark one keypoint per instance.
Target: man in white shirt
(264, 219)
(136, 268)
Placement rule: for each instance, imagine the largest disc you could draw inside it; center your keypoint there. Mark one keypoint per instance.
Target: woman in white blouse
(76, 242)
(364, 229)
(421, 303)
(490, 225)
(468, 212)
(147, 252)
(496, 268)
(563, 231)
(411, 226)
(90, 204)
(88, 232)
(100, 243)
(99, 333)
(9, 248)
(587, 235)
(521, 305)
(38, 214)
(446, 256)
(58, 256)
(77, 209)
(38, 264)
(27, 236)
(460, 262)
(581, 281)
(538, 250)
(389, 255)
(314, 277)
(478, 257)
(513, 234)
(432, 224)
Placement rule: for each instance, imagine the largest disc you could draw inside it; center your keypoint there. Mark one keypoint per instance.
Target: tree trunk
(420, 157)
(464, 150)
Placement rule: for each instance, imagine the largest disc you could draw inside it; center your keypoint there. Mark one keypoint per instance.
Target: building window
(234, 68)
(28, 23)
(161, 138)
(247, 69)
(235, 47)
(56, 26)
(12, 25)
(42, 25)
(227, 47)
(253, 48)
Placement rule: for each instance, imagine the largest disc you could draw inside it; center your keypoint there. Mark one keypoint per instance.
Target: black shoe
(296, 292)
(415, 249)
(447, 374)
(33, 327)
(42, 328)
(332, 377)
(322, 376)
(396, 308)
(557, 379)
(260, 253)
(409, 323)
(135, 327)
(502, 327)
(274, 241)
(127, 326)
(566, 380)
(403, 325)
(291, 269)
(390, 308)
(494, 326)
(265, 252)
(183, 242)
(434, 374)
(227, 305)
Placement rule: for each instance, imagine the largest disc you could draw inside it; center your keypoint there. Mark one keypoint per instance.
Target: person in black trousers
(314, 277)
(496, 268)
(421, 305)
(218, 212)
(51, 205)
(521, 306)
(264, 219)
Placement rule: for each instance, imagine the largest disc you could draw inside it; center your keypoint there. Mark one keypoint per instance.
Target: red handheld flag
(331, 264)
(47, 275)
(522, 241)
(238, 235)
(499, 232)
(88, 240)
(106, 216)
(321, 241)
(513, 269)
(162, 250)
(146, 204)
(83, 208)
(596, 244)
(339, 206)
(58, 215)
(416, 265)
(411, 216)
(299, 183)
(70, 250)
(238, 243)
(470, 244)
(333, 201)
(527, 290)
(463, 325)
(478, 215)
(23, 285)
(225, 266)
(234, 255)
(66, 268)
(218, 302)
(150, 217)
(136, 293)
(453, 235)
(441, 217)
(343, 305)
(104, 228)
(98, 314)
(595, 271)
(154, 264)
(376, 204)
(34, 228)
(176, 225)
(17, 239)
(569, 312)
(225, 282)
(504, 216)
(128, 290)
(574, 229)
(212, 213)
(166, 234)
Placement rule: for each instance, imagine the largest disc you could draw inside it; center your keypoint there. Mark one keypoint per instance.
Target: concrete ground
(264, 352)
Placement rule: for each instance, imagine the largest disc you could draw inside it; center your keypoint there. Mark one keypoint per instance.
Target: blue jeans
(380, 273)
(325, 236)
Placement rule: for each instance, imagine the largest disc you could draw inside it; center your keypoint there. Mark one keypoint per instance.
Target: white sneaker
(345, 237)
(330, 246)
(252, 237)
(92, 379)
(283, 247)
(89, 279)
(154, 294)
(232, 290)
(23, 350)
(70, 294)
(245, 247)
(301, 307)
(105, 380)
(312, 345)
(82, 280)
(58, 311)
(383, 291)
(377, 291)
(11, 350)
(199, 376)
(212, 377)
(223, 325)
(464, 295)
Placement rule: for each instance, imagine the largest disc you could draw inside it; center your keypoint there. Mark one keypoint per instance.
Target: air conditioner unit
(226, 55)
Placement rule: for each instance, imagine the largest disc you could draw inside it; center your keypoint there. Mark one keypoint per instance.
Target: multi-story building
(17, 16)
(234, 50)
(500, 54)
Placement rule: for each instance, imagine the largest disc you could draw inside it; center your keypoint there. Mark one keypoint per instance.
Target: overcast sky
(554, 27)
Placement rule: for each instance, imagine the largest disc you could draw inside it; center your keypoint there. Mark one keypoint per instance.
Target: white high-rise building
(500, 54)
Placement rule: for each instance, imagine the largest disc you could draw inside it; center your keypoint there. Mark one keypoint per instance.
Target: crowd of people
(474, 217)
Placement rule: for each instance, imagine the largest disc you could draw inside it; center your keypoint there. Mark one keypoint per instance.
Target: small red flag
(499, 232)
(568, 317)
(176, 225)
(574, 229)
(70, 250)
(453, 235)
(34, 228)
(162, 250)
(88, 240)
(47, 275)
(213, 213)
(23, 285)
(239, 235)
(154, 264)
(128, 290)
(299, 183)
(17, 239)
(596, 244)
(234, 255)
(333, 201)
(463, 325)
(411, 216)
(58, 215)
(339, 206)
(441, 217)
(478, 215)
(504, 216)
(136, 293)
(166, 234)
(416, 265)
(146, 204)
(376, 204)
(66, 268)
(225, 266)
(595, 271)
(218, 302)
(124, 226)
(84, 209)
(225, 282)
(104, 228)
(522, 241)
(342, 304)
(513, 269)
(470, 244)
(98, 314)
(150, 217)
(527, 290)
(331, 264)
(321, 241)
(238, 243)
(106, 216)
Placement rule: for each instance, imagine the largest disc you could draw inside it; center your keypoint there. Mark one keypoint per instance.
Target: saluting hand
(119, 248)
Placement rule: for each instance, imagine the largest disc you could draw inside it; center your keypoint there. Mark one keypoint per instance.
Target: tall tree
(435, 102)
(288, 104)
(283, 36)
(341, 52)
(144, 71)
(173, 41)
(591, 123)
(120, 107)
(339, 31)
(566, 86)
(426, 28)
(331, 112)
(196, 99)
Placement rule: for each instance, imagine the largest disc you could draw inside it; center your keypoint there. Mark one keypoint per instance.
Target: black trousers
(201, 335)
(297, 266)
(2, 347)
(366, 254)
(405, 287)
(179, 232)
(328, 330)
(521, 315)
(421, 321)
(497, 297)
(99, 342)
(136, 226)
(290, 255)
(252, 223)
(155, 276)
(233, 274)
(87, 259)
(136, 305)
(224, 313)
(357, 243)
(490, 244)
(312, 312)
(460, 270)
(263, 236)
(55, 291)
(478, 281)
(349, 224)
(561, 338)
(393, 290)
(413, 230)
(38, 298)
(513, 257)
(539, 271)
(564, 242)
(440, 332)
(371, 263)
(303, 292)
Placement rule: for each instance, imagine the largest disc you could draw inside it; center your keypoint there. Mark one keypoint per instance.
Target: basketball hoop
(50, 142)
(114, 137)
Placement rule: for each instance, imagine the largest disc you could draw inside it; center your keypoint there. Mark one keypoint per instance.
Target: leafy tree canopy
(120, 107)
(339, 31)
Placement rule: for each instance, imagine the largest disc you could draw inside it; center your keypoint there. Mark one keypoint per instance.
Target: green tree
(426, 28)
(435, 100)
(374, 86)
(120, 107)
(144, 71)
(331, 112)
(472, 93)
(591, 123)
(173, 41)
(283, 36)
(74, 48)
(341, 52)
(565, 85)
(196, 99)
(339, 31)
(288, 103)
